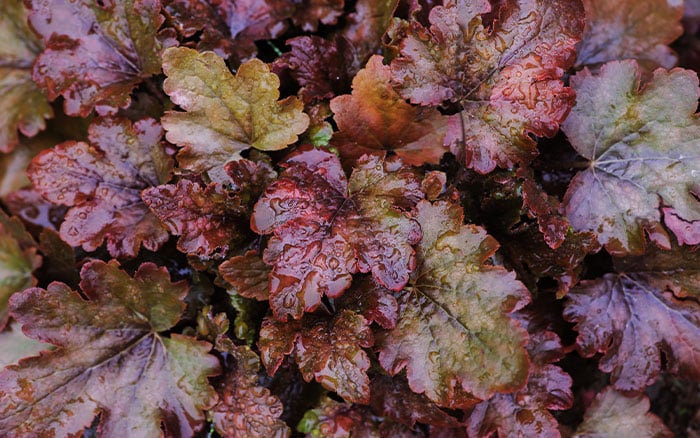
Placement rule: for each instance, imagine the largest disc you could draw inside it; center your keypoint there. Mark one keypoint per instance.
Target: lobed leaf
(327, 228)
(102, 181)
(635, 318)
(454, 335)
(248, 275)
(23, 106)
(507, 77)
(225, 114)
(374, 118)
(96, 52)
(327, 349)
(642, 145)
(112, 358)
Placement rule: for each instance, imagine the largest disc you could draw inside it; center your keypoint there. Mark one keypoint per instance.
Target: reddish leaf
(323, 68)
(246, 409)
(111, 358)
(327, 228)
(634, 318)
(248, 275)
(96, 52)
(375, 118)
(613, 414)
(253, 20)
(327, 349)
(14, 345)
(33, 209)
(225, 114)
(642, 145)
(454, 335)
(391, 397)
(507, 78)
(13, 165)
(207, 219)
(310, 13)
(332, 419)
(23, 107)
(545, 208)
(625, 29)
(371, 300)
(104, 183)
(206, 17)
(367, 25)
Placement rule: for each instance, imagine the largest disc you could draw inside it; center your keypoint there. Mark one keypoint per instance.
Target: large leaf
(374, 118)
(96, 52)
(613, 414)
(624, 29)
(18, 260)
(112, 358)
(633, 319)
(506, 77)
(225, 114)
(642, 145)
(327, 228)
(23, 107)
(454, 335)
(102, 182)
(328, 349)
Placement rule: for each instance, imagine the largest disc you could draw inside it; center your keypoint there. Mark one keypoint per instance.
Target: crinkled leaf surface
(333, 419)
(96, 51)
(625, 29)
(642, 144)
(371, 300)
(23, 106)
(225, 114)
(246, 409)
(102, 182)
(208, 17)
(374, 118)
(14, 345)
(454, 335)
(634, 318)
(613, 414)
(18, 259)
(326, 228)
(111, 358)
(507, 78)
(328, 349)
(248, 275)
(207, 219)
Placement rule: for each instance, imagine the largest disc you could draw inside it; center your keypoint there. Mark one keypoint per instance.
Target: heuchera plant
(369, 218)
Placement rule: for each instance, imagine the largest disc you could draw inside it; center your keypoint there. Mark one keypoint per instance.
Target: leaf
(507, 78)
(526, 412)
(246, 409)
(310, 13)
(104, 183)
(254, 20)
(209, 220)
(366, 26)
(112, 358)
(374, 118)
(324, 68)
(14, 345)
(333, 419)
(18, 260)
(96, 52)
(613, 414)
(641, 144)
(635, 318)
(13, 165)
(23, 107)
(327, 349)
(225, 114)
(203, 17)
(34, 210)
(371, 300)
(454, 335)
(327, 228)
(630, 29)
(248, 275)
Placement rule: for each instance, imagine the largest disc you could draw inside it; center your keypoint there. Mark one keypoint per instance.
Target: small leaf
(225, 114)
(642, 144)
(104, 183)
(371, 300)
(613, 414)
(328, 349)
(635, 318)
(112, 358)
(507, 77)
(332, 419)
(374, 118)
(23, 106)
(327, 228)
(248, 275)
(96, 52)
(639, 29)
(208, 18)
(454, 335)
